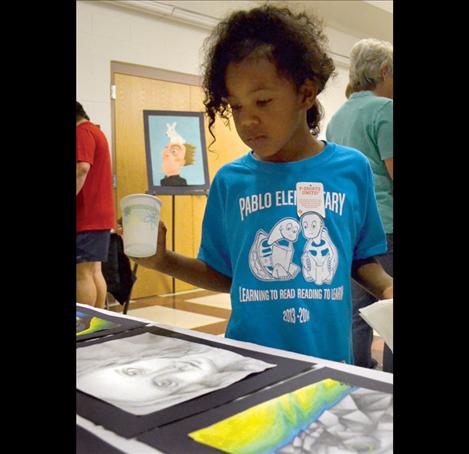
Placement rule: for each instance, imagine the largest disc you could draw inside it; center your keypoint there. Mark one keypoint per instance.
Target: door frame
(147, 72)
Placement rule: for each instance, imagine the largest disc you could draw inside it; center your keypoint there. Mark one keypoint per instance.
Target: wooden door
(133, 95)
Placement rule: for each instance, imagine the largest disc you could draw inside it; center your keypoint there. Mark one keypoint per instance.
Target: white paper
(379, 316)
(310, 198)
(146, 373)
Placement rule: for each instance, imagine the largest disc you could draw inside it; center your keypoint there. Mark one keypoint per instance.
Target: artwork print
(145, 373)
(175, 151)
(87, 324)
(328, 416)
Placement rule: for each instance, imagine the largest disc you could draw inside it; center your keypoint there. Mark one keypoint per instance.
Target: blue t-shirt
(291, 275)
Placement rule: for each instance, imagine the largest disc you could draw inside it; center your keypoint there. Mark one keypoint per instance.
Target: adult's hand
(388, 293)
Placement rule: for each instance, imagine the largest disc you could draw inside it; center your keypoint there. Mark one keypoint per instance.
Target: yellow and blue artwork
(310, 419)
(87, 324)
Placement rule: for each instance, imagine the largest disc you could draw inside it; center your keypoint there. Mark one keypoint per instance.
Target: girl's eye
(233, 107)
(263, 102)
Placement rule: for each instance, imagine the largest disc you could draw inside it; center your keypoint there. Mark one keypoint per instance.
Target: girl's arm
(187, 269)
(370, 274)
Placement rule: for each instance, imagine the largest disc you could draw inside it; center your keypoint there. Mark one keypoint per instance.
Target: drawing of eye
(132, 371)
(166, 383)
(187, 365)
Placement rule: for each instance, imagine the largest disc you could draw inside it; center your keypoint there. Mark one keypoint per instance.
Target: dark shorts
(93, 246)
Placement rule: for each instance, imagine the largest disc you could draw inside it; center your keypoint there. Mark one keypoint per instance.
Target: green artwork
(315, 418)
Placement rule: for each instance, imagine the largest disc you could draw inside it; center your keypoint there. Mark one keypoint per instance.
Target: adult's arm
(370, 274)
(82, 171)
(384, 131)
(389, 167)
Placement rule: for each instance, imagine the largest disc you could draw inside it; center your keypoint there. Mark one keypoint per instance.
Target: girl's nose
(248, 119)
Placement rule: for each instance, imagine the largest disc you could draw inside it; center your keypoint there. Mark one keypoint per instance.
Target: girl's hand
(155, 261)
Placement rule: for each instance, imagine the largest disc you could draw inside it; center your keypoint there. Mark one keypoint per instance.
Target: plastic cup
(140, 219)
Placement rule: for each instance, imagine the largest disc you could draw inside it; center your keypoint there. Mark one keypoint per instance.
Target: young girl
(286, 260)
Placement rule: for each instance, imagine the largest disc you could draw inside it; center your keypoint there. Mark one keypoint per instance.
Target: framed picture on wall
(176, 152)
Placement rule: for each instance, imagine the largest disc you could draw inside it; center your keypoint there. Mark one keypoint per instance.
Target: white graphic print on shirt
(320, 258)
(270, 256)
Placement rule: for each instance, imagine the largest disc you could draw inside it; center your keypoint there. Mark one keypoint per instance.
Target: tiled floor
(175, 317)
(200, 310)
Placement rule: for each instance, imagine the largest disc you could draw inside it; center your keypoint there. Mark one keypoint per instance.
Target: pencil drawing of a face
(149, 380)
(146, 373)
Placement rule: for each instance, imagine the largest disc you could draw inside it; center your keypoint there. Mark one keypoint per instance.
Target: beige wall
(107, 32)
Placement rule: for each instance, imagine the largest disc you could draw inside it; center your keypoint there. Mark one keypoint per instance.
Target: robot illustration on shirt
(320, 258)
(270, 256)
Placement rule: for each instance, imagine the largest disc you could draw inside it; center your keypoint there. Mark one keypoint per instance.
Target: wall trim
(168, 12)
(154, 73)
(188, 17)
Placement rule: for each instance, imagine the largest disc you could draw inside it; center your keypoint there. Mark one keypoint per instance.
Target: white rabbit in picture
(174, 137)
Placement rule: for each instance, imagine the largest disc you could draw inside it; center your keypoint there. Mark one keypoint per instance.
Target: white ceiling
(359, 18)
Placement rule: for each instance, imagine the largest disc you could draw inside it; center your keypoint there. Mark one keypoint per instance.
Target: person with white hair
(365, 122)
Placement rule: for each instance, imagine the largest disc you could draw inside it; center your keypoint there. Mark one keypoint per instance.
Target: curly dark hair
(295, 43)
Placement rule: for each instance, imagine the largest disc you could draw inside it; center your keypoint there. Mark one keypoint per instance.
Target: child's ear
(308, 93)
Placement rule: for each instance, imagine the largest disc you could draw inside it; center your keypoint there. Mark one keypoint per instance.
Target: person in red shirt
(94, 209)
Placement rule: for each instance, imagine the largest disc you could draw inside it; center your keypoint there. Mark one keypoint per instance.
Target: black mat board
(89, 443)
(124, 324)
(173, 438)
(129, 425)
